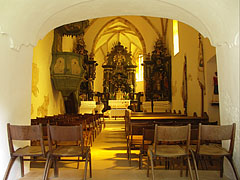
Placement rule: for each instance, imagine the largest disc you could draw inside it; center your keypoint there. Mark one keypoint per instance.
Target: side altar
(158, 77)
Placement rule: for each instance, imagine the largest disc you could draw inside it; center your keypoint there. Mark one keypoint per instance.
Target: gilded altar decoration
(119, 73)
(157, 68)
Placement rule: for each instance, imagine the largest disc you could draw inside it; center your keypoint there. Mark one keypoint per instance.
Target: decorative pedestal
(119, 104)
(87, 107)
(118, 107)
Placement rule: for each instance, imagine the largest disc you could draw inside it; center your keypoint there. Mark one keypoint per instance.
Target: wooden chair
(148, 138)
(135, 137)
(162, 150)
(213, 133)
(22, 133)
(68, 134)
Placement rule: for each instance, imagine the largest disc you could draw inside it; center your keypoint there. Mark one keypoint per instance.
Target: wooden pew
(177, 119)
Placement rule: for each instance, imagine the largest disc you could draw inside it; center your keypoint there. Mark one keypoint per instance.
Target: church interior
(137, 39)
(109, 73)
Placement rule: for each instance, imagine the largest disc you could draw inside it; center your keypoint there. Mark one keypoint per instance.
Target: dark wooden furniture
(155, 114)
(92, 124)
(172, 150)
(148, 138)
(66, 133)
(172, 118)
(215, 133)
(135, 137)
(163, 117)
(22, 133)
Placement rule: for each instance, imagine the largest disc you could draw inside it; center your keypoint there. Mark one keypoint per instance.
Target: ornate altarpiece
(119, 74)
(157, 74)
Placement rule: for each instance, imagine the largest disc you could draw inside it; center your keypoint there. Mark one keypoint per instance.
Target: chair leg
(127, 149)
(221, 167)
(104, 122)
(55, 166)
(129, 155)
(22, 166)
(148, 161)
(181, 166)
(47, 167)
(78, 162)
(140, 160)
(200, 159)
(9, 167)
(91, 141)
(85, 169)
(152, 165)
(233, 166)
(195, 165)
(189, 167)
(90, 164)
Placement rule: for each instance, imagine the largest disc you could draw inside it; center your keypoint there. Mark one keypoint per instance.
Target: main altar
(119, 79)
(119, 74)
(118, 108)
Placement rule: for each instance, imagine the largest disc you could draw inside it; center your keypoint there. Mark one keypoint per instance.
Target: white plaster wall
(15, 96)
(228, 68)
(28, 21)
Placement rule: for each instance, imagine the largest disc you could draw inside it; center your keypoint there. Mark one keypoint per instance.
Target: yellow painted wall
(189, 46)
(45, 99)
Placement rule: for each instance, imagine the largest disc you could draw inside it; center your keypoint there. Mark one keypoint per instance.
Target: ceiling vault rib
(164, 29)
(153, 27)
(131, 29)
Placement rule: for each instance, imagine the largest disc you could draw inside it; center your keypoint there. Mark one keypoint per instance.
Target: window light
(139, 74)
(175, 37)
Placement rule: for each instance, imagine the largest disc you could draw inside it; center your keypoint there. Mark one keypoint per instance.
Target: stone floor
(109, 161)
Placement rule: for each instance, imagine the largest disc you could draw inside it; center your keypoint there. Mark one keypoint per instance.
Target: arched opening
(221, 28)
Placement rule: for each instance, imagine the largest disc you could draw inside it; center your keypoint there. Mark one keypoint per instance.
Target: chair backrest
(25, 132)
(217, 133)
(148, 135)
(172, 134)
(137, 128)
(65, 133)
